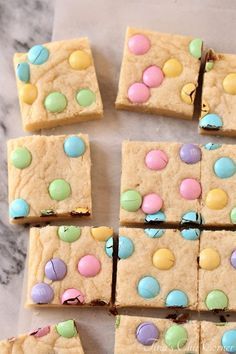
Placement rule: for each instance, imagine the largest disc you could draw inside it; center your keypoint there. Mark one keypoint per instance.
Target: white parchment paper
(105, 22)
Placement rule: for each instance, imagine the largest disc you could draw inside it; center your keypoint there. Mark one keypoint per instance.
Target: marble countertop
(22, 24)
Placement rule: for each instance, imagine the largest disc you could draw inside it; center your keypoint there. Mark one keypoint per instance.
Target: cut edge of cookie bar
(40, 118)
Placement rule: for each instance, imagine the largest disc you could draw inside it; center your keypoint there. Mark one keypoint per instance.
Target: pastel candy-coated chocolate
(139, 44)
(23, 72)
(55, 269)
(147, 333)
(41, 332)
(216, 300)
(233, 215)
(163, 259)
(74, 146)
(216, 199)
(152, 203)
(28, 93)
(190, 153)
(192, 217)
(89, 266)
(66, 329)
(59, 189)
(224, 167)
(21, 157)
(176, 336)
(157, 217)
(212, 146)
(176, 298)
(55, 102)
(190, 189)
(131, 200)
(156, 160)
(191, 234)
(148, 287)
(188, 93)
(233, 259)
(79, 60)
(85, 97)
(228, 341)
(209, 65)
(195, 48)
(19, 208)
(229, 84)
(154, 233)
(125, 248)
(172, 67)
(69, 233)
(153, 76)
(211, 121)
(109, 247)
(138, 93)
(209, 259)
(42, 293)
(38, 55)
(72, 297)
(102, 233)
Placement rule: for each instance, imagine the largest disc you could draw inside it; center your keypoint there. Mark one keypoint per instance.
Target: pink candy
(41, 332)
(139, 44)
(190, 189)
(152, 203)
(138, 93)
(89, 266)
(153, 76)
(156, 160)
(72, 297)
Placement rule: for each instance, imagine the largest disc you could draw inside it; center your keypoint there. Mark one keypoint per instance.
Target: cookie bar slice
(153, 270)
(218, 338)
(159, 73)
(49, 178)
(69, 266)
(57, 84)
(219, 95)
(141, 334)
(61, 338)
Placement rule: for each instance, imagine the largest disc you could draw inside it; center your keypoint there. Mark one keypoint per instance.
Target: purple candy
(42, 293)
(233, 259)
(147, 333)
(55, 269)
(190, 153)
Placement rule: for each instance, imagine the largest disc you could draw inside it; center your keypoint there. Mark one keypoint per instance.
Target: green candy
(21, 158)
(233, 215)
(209, 66)
(131, 200)
(55, 102)
(85, 97)
(195, 48)
(66, 329)
(59, 189)
(176, 337)
(69, 233)
(216, 300)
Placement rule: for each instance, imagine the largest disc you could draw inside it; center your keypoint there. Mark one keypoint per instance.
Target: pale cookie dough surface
(166, 182)
(210, 181)
(220, 102)
(182, 276)
(56, 74)
(220, 278)
(165, 99)
(51, 343)
(49, 162)
(126, 342)
(45, 245)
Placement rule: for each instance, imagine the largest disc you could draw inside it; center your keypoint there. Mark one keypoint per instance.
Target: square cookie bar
(141, 334)
(68, 265)
(217, 269)
(153, 270)
(159, 73)
(219, 95)
(62, 338)
(218, 338)
(160, 182)
(49, 178)
(218, 180)
(57, 84)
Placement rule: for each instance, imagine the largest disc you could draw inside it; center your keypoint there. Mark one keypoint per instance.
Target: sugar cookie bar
(217, 269)
(219, 95)
(159, 73)
(57, 84)
(141, 334)
(68, 265)
(49, 178)
(218, 338)
(162, 280)
(62, 338)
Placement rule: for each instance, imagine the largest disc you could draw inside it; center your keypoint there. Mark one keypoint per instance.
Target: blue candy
(38, 55)
(19, 208)
(176, 298)
(211, 122)
(224, 167)
(228, 341)
(148, 287)
(74, 146)
(154, 233)
(157, 217)
(23, 72)
(125, 248)
(192, 217)
(109, 247)
(190, 234)
(212, 146)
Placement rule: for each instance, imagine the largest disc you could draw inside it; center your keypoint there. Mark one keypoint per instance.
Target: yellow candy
(216, 199)
(101, 233)
(163, 259)
(209, 259)
(28, 93)
(188, 93)
(79, 60)
(229, 84)
(172, 68)
(205, 108)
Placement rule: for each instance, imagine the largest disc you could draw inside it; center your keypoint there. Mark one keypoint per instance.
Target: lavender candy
(55, 269)
(147, 333)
